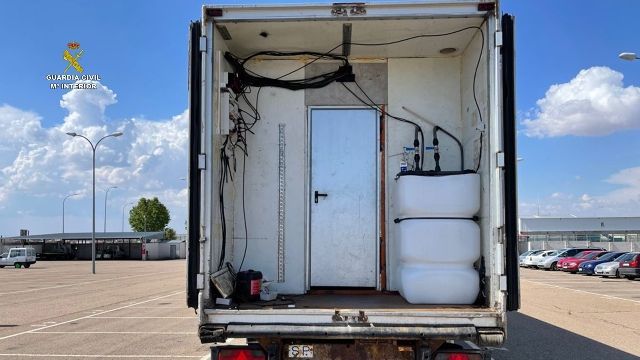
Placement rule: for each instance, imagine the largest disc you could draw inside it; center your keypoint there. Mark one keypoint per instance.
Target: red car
(563, 261)
(571, 264)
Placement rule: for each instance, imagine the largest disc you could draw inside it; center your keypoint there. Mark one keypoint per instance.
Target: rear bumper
(629, 271)
(480, 336)
(606, 272)
(476, 325)
(570, 269)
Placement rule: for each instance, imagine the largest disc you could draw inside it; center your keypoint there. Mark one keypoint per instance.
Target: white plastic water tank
(423, 284)
(437, 243)
(442, 241)
(456, 195)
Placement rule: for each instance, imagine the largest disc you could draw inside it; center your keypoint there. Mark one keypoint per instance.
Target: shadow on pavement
(530, 339)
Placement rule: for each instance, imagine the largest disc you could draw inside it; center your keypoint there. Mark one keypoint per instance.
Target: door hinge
(200, 281)
(503, 283)
(202, 161)
(203, 43)
(498, 38)
(500, 159)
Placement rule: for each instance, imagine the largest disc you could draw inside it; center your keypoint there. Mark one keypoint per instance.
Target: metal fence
(555, 245)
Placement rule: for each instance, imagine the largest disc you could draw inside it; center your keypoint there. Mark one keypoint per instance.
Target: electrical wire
(250, 78)
(475, 98)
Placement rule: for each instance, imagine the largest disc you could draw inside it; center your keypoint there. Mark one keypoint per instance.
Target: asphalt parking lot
(128, 310)
(571, 316)
(136, 310)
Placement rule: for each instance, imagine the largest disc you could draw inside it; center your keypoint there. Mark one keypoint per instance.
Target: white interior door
(343, 197)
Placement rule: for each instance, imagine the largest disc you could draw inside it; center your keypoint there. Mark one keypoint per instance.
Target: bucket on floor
(224, 280)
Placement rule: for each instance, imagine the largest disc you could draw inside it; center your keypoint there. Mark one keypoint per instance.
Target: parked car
(588, 267)
(571, 264)
(551, 263)
(630, 266)
(524, 255)
(528, 261)
(534, 260)
(611, 268)
(18, 257)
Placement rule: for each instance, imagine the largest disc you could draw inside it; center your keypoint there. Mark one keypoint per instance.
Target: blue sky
(139, 48)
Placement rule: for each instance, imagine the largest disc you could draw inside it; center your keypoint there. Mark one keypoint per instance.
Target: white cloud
(593, 103)
(623, 201)
(39, 166)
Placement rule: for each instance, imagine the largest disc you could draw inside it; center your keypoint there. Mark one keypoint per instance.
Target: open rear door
(193, 250)
(510, 157)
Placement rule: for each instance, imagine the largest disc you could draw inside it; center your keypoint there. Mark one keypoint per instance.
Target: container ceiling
(322, 36)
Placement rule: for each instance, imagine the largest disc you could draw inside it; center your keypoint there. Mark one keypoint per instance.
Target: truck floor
(378, 301)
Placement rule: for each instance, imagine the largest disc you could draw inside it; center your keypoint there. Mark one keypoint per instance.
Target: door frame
(308, 191)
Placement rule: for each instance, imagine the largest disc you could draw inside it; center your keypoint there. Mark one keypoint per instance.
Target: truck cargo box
(361, 157)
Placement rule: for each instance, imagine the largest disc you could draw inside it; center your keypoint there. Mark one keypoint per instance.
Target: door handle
(316, 194)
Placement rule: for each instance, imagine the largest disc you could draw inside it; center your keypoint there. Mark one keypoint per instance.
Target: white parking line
(90, 316)
(81, 283)
(119, 332)
(144, 317)
(160, 307)
(106, 356)
(582, 291)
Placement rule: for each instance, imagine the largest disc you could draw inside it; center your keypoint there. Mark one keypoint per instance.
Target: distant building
(109, 245)
(609, 233)
(580, 229)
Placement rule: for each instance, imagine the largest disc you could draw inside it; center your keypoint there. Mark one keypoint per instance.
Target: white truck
(360, 159)
(18, 257)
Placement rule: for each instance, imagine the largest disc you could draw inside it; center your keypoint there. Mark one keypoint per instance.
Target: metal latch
(348, 9)
(361, 318)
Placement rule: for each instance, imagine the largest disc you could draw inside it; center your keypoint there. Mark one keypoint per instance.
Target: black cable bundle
(250, 78)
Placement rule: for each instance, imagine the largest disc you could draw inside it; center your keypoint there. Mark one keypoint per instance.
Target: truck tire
(17, 265)
(26, 266)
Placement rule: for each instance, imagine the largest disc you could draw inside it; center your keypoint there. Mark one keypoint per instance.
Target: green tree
(149, 215)
(169, 234)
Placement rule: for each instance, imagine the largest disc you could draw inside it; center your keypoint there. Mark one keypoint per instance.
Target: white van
(18, 257)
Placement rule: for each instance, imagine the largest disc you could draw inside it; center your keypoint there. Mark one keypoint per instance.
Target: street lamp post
(93, 229)
(123, 207)
(106, 194)
(63, 201)
(629, 56)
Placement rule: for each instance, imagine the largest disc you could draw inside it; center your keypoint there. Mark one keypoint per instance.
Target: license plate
(301, 351)
(625, 264)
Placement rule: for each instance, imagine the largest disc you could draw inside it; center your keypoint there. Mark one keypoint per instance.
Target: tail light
(250, 352)
(458, 356)
(633, 263)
